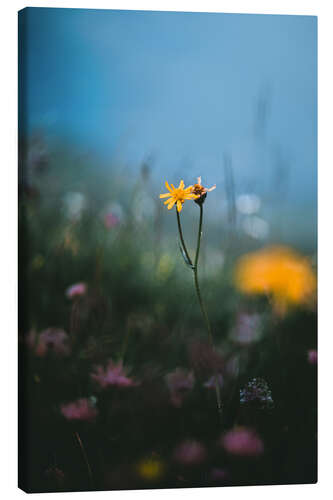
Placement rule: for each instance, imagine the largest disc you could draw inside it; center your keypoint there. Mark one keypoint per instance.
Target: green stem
(201, 303)
(182, 238)
(85, 458)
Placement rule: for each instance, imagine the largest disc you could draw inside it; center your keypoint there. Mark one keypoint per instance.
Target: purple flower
(114, 374)
(247, 328)
(179, 383)
(257, 394)
(81, 409)
(190, 452)
(243, 442)
(110, 220)
(312, 356)
(76, 290)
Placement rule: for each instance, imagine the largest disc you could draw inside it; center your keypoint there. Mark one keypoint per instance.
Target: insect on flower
(178, 195)
(201, 192)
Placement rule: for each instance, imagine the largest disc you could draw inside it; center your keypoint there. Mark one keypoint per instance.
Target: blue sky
(187, 88)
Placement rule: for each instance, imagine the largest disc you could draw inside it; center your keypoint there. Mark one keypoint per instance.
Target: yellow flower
(150, 469)
(178, 195)
(279, 272)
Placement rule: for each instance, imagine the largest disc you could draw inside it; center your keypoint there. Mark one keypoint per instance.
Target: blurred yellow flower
(150, 469)
(178, 195)
(164, 267)
(277, 271)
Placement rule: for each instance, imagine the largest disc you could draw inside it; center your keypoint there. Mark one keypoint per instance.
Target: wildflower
(248, 204)
(190, 452)
(280, 272)
(242, 441)
(110, 220)
(75, 204)
(55, 340)
(247, 329)
(76, 290)
(256, 393)
(312, 356)
(255, 227)
(52, 340)
(201, 192)
(150, 469)
(179, 383)
(164, 267)
(114, 374)
(178, 195)
(82, 409)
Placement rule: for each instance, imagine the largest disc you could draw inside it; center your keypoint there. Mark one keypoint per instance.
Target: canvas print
(167, 250)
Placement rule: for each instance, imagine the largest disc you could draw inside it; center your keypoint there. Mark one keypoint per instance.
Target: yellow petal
(171, 204)
(165, 195)
(179, 206)
(181, 184)
(168, 201)
(173, 187)
(168, 187)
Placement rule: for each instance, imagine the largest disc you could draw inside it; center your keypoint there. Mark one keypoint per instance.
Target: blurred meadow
(116, 370)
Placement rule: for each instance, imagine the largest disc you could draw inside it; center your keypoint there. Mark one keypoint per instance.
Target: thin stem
(203, 309)
(201, 303)
(199, 238)
(85, 457)
(182, 238)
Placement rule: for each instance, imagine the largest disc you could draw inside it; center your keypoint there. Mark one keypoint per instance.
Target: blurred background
(111, 105)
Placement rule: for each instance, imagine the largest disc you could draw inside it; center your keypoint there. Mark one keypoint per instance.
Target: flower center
(198, 190)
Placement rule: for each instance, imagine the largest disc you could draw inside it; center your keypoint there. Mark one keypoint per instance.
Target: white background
(8, 246)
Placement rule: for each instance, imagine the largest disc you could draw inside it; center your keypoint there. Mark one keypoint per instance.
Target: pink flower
(50, 340)
(82, 409)
(312, 356)
(76, 290)
(114, 374)
(110, 220)
(179, 382)
(190, 452)
(243, 442)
